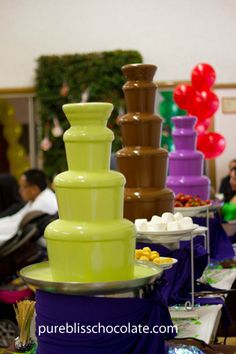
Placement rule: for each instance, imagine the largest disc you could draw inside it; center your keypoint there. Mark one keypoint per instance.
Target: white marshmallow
(167, 217)
(186, 223)
(138, 222)
(173, 226)
(188, 219)
(159, 226)
(151, 227)
(178, 216)
(143, 227)
(155, 218)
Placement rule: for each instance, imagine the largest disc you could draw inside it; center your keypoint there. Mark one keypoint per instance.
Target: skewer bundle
(24, 311)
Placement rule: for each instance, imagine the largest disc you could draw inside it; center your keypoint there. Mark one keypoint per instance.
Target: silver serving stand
(172, 242)
(203, 210)
(136, 287)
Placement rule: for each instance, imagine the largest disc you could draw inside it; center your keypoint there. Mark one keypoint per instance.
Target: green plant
(70, 78)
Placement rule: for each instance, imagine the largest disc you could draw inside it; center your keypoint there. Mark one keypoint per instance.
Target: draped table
(55, 310)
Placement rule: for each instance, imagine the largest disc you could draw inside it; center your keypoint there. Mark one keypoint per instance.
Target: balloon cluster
(12, 131)
(198, 100)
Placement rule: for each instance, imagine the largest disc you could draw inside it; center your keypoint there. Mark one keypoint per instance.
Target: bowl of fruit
(146, 255)
(190, 205)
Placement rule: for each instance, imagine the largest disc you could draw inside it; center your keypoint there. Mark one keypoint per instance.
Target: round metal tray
(39, 276)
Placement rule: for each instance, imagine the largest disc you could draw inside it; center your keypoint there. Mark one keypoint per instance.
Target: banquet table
(202, 323)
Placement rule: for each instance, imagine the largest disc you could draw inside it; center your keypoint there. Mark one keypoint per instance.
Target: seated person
(10, 199)
(229, 207)
(113, 162)
(225, 186)
(38, 197)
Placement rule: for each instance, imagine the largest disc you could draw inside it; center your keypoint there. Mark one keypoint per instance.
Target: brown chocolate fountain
(142, 161)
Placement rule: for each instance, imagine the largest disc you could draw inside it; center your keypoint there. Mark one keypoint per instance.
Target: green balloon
(168, 109)
(181, 112)
(167, 121)
(167, 95)
(167, 142)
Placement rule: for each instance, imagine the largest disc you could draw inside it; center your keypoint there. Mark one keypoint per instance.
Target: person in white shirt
(38, 197)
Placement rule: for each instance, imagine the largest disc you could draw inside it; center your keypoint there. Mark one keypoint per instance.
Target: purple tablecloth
(178, 286)
(56, 309)
(220, 244)
(178, 279)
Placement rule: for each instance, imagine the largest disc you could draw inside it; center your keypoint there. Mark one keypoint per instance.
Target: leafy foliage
(64, 79)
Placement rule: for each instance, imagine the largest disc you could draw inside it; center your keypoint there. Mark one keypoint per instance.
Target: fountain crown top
(143, 72)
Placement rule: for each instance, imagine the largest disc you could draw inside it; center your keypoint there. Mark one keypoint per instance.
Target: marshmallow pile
(167, 222)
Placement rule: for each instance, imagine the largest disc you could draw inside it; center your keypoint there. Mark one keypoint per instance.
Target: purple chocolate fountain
(185, 163)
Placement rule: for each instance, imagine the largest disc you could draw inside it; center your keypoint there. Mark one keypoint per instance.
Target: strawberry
(178, 196)
(178, 204)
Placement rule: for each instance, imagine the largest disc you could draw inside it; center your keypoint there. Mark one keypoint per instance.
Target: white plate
(165, 266)
(191, 211)
(168, 233)
(172, 241)
(166, 237)
(200, 230)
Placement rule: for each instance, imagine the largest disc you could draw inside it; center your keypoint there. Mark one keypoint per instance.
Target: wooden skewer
(24, 311)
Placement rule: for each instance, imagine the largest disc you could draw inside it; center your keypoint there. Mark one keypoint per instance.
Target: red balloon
(183, 96)
(211, 144)
(202, 125)
(204, 104)
(203, 77)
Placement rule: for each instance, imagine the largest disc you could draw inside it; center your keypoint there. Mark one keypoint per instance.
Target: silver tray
(39, 276)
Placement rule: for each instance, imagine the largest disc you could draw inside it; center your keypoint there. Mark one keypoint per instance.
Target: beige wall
(174, 35)
(225, 124)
